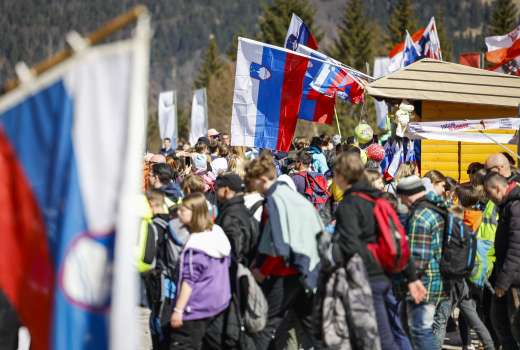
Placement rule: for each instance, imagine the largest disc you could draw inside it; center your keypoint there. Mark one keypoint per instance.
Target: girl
(204, 275)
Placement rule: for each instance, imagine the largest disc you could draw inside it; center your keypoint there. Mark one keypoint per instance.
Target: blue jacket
(319, 161)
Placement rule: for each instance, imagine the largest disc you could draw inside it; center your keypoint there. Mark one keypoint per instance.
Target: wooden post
(93, 38)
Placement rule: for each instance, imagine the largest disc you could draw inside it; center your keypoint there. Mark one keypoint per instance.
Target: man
(234, 218)
(500, 164)
(167, 149)
(226, 139)
(356, 227)
(505, 304)
(287, 263)
(427, 320)
(213, 135)
(161, 178)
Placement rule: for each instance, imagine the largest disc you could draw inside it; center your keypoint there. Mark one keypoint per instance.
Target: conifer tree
(210, 64)
(446, 45)
(402, 19)
(503, 17)
(354, 43)
(232, 50)
(276, 19)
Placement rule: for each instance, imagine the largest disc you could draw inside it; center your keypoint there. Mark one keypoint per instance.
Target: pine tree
(276, 19)
(503, 17)
(210, 65)
(232, 50)
(354, 43)
(402, 19)
(446, 45)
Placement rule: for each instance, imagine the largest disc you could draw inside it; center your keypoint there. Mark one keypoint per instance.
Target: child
(204, 275)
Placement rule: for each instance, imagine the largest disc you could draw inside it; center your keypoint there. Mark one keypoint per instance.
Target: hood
(363, 186)
(172, 190)
(213, 243)
(434, 198)
(314, 150)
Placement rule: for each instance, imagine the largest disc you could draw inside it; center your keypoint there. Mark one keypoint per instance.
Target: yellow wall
(443, 155)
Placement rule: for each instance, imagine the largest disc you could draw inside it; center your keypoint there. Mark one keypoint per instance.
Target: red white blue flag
(299, 33)
(69, 170)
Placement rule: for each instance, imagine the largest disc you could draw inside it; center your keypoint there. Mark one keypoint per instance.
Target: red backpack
(391, 248)
(316, 189)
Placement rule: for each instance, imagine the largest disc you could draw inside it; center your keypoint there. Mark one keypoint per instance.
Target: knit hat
(336, 140)
(410, 185)
(231, 180)
(200, 162)
(376, 152)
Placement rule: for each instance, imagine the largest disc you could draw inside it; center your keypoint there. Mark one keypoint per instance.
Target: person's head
(201, 148)
(405, 170)
(375, 179)
(261, 173)
(498, 163)
(161, 174)
(473, 168)
(223, 150)
(303, 160)
(228, 186)
(167, 142)
(496, 187)
(186, 147)
(194, 213)
(192, 184)
(156, 200)
(302, 143)
(391, 199)
(213, 147)
(477, 178)
(438, 181)
(468, 195)
(157, 158)
(348, 169)
(236, 165)
(410, 189)
(316, 142)
(226, 139)
(213, 135)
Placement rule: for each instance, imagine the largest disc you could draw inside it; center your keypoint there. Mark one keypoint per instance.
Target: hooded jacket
(507, 241)
(172, 191)
(204, 265)
(319, 162)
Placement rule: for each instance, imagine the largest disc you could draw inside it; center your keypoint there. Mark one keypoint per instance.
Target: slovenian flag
(299, 33)
(267, 95)
(333, 81)
(411, 51)
(315, 106)
(71, 142)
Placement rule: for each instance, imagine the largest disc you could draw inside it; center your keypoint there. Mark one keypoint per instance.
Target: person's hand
(499, 292)
(176, 320)
(417, 291)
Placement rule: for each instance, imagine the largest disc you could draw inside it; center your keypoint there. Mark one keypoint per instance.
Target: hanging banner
(464, 125)
(167, 116)
(463, 137)
(199, 116)
(381, 68)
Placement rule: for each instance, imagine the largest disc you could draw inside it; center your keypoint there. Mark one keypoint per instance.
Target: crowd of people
(315, 248)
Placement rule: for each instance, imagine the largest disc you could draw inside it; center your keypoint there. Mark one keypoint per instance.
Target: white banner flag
(167, 116)
(463, 137)
(381, 68)
(199, 116)
(464, 125)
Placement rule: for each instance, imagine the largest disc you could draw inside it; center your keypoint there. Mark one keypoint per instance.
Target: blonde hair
(405, 170)
(236, 165)
(261, 166)
(349, 166)
(200, 218)
(193, 184)
(372, 176)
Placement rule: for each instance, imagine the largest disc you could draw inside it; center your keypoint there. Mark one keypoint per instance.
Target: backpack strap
(255, 207)
(161, 222)
(364, 196)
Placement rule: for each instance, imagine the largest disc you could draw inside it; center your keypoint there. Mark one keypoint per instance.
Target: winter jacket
(172, 191)
(234, 218)
(507, 240)
(319, 161)
(204, 265)
(356, 227)
(347, 316)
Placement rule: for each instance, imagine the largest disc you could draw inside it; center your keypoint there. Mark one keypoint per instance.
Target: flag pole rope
(93, 38)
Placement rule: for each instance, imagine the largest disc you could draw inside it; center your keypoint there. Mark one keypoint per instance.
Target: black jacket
(235, 220)
(507, 242)
(356, 227)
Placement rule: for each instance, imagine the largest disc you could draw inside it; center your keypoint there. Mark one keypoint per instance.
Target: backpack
(391, 248)
(316, 189)
(459, 245)
(255, 308)
(254, 231)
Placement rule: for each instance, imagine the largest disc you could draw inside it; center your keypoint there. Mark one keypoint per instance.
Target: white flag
(199, 116)
(381, 68)
(167, 116)
(502, 41)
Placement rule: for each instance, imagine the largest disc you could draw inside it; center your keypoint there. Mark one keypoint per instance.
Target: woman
(204, 275)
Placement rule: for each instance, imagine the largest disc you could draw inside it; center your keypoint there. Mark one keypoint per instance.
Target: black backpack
(254, 231)
(459, 245)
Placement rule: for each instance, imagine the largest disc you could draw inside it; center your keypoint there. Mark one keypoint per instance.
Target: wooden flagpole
(337, 121)
(93, 38)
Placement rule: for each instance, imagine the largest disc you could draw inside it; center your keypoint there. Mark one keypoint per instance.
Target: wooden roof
(432, 80)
